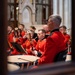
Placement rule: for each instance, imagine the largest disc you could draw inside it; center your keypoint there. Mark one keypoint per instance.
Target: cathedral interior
(28, 12)
(35, 13)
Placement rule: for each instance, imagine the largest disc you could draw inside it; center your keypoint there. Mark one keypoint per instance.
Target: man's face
(28, 35)
(9, 29)
(46, 28)
(41, 35)
(50, 24)
(20, 27)
(32, 30)
(62, 30)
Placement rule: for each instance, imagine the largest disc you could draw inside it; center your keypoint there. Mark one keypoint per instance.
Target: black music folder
(18, 47)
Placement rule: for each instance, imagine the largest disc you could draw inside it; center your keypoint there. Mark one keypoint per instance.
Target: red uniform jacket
(10, 37)
(40, 45)
(14, 52)
(28, 46)
(54, 45)
(48, 33)
(19, 41)
(67, 38)
(23, 33)
(9, 40)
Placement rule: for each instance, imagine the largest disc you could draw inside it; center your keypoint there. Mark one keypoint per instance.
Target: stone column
(55, 7)
(69, 19)
(20, 12)
(61, 10)
(33, 13)
(67, 14)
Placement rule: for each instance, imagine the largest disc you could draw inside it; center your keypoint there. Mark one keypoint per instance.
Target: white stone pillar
(20, 12)
(34, 4)
(55, 6)
(61, 10)
(66, 12)
(69, 19)
(33, 14)
(67, 15)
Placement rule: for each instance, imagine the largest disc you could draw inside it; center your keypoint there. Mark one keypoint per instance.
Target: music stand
(18, 47)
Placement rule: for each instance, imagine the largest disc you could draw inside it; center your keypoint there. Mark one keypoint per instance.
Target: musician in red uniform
(17, 36)
(29, 44)
(54, 42)
(33, 34)
(21, 26)
(17, 39)
(10, 34)
(41, 42)
(46, 28)
(66, 36)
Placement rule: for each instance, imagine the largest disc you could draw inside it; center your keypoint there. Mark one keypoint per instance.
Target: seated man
(62, 29)
(22, 27)
(54, 42)
(33, 34)
(46, 28)
(41, 42)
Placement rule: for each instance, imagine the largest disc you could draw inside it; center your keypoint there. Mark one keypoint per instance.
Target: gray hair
(56, 19)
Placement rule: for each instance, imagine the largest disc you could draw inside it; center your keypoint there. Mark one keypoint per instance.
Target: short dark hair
(33, 27)
(63, 27)
(42, 30)
(11, 26)
(22, 25)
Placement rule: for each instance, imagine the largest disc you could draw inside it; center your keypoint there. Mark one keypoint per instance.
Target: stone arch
(29, 5)
(27, 15)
